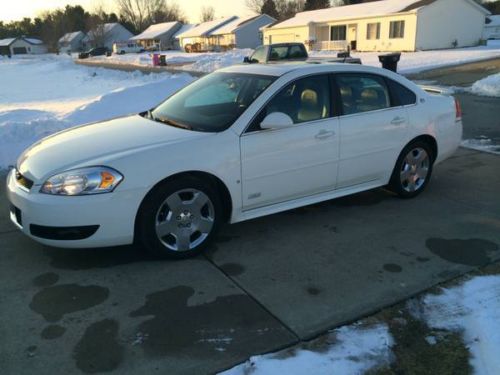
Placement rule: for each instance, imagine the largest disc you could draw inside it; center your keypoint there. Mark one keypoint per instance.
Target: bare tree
(207, 13)
(96, 26)
(285, 8)
(141, 13)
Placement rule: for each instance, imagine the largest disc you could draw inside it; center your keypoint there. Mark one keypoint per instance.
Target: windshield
(212, 103)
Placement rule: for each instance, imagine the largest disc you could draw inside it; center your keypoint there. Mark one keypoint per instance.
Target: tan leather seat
(348, 103)
(310, 108)
(371, 100)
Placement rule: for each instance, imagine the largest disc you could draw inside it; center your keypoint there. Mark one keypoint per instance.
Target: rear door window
(296, 52)
(400, 94)
(362, 93)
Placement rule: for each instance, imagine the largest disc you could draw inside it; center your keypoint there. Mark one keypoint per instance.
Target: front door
(284, 164)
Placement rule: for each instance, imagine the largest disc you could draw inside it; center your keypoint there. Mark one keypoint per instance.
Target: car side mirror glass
(276, 120)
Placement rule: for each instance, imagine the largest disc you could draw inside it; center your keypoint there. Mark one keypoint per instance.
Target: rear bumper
(74, 222)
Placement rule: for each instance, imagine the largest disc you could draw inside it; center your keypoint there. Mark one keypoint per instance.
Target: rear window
(400, 94)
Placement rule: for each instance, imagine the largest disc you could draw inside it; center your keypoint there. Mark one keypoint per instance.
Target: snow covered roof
(375, 8)
(155, 31)
(7, 42)
(33, 41)
(206, 27)
(69, 37)
(232, 26)
(494, 21)
(184, 28)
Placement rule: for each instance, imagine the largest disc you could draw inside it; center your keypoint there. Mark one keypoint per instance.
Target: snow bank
(354, 350)
(43, 96)
(211, 62)
(473, 309)
(489, 86)
(202, 62)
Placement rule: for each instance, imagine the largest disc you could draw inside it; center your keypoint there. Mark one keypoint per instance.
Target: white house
(107, 34)
(182, 30)
(160, 36)
(387, 25)
(199, 36)
(73, 42)
(22, 46)
(241, 32)
(492, 28)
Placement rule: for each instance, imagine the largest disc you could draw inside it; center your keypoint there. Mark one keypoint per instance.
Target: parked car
(97, 51)
(237, 144)
(122, 48)
(286, 52)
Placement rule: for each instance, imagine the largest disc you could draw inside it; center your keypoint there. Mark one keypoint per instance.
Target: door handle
(323, 134)
(398, 120)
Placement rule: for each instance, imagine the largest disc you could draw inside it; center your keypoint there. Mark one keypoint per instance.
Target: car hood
(96, 143)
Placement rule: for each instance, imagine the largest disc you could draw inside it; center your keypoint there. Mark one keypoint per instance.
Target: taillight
(458, 110)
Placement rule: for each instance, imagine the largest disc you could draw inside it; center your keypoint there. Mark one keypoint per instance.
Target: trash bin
(163, 60)
(390, 61)
(156, 59)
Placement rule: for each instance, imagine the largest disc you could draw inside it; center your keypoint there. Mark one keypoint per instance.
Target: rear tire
(413, 170)
(179, 218)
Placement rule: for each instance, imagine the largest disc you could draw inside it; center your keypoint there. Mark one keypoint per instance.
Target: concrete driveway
(264, 285)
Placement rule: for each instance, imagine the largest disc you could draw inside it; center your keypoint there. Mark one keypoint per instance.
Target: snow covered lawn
(353, 350)
(415, 62)
(45, 94)
(470, 310)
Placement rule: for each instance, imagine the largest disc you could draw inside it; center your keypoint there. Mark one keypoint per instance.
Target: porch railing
(330, 45)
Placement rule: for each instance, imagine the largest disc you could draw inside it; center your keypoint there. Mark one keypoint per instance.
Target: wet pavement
(265, 284)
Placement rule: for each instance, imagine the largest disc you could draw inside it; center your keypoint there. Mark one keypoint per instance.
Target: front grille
(23, 181)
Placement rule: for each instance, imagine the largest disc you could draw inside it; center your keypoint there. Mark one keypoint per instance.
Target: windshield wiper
(167, 121)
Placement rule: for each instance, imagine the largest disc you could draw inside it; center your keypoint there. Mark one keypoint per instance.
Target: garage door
(20, 51)
(282, 38)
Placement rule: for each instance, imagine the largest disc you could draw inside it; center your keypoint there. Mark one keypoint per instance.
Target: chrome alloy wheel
(415, 169)
(185, 219)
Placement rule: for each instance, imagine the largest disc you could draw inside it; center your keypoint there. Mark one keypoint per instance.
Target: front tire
(413, 170)
(179, 218)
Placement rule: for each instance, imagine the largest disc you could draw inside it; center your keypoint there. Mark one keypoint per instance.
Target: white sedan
(237, 144)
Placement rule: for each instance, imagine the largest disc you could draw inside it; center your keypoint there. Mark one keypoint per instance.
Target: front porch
(334, 37)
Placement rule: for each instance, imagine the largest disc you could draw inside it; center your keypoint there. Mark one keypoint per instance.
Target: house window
(338, 32)
(373, 31)
(397, 29)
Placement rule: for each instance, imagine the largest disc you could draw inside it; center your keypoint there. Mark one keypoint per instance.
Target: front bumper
(74, 222)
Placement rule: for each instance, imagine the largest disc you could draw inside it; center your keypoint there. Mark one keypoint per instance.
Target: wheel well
(431, 141)
(204, 176)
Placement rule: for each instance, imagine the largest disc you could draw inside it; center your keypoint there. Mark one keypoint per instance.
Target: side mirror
(276, 120)
(247, 60)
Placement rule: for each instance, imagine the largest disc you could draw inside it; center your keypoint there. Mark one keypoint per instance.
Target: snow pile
(354, 350)
(41, 96)
(489, 86)
(473, 309)
(212, 62)
(482, 144)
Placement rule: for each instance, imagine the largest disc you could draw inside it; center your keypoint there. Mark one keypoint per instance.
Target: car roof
(279, 70)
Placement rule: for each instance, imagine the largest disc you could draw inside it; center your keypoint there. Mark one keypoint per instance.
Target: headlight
(85, 181)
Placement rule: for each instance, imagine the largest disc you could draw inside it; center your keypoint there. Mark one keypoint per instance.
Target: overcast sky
(17, 9)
